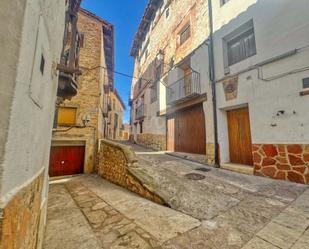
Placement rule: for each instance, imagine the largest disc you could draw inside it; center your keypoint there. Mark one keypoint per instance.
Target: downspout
(213, 83)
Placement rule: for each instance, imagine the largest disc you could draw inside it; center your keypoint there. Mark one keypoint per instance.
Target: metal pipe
(213, 84)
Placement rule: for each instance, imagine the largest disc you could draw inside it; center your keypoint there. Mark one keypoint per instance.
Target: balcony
(184, 89)
(140, 112)
(69, 60)
(67, 86)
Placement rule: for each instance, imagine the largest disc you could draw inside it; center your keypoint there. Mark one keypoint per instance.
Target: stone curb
(134, 170)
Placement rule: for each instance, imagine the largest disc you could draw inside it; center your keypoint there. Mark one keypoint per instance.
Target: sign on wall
(230, 87)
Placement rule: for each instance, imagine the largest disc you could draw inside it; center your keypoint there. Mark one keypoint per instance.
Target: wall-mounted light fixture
(160, 55)
(86, 119)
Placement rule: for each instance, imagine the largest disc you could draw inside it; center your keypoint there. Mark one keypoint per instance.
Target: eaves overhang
(144, 25)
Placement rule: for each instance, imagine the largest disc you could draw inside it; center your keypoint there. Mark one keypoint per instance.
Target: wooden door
(186, 131)
(171, 133)
(191, 134)
(66, 160)
(240, 136)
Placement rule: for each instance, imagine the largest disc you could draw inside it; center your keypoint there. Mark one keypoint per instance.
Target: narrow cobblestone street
(224, 210)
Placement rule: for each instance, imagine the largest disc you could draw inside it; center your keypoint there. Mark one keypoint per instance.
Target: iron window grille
(185, 34)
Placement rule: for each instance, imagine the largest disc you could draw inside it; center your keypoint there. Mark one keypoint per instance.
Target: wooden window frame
(167, 13)
(42, 64)
(239, 35)
(244, 52)
(82, 40)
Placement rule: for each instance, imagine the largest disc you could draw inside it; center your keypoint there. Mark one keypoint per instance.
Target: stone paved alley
(223, 210)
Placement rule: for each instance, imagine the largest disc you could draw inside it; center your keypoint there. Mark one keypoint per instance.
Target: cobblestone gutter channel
(118, 164)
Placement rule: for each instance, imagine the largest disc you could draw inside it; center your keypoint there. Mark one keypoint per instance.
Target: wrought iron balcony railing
(140, 112)
(187, 87)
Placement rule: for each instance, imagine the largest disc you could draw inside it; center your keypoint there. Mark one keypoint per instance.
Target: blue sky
(125, 15)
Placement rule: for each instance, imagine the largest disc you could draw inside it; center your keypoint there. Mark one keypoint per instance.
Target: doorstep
(239, 168)
(57, 178)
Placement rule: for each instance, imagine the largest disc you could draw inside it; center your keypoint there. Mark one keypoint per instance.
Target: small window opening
(306, 83)
(42, 64)
(167, 13)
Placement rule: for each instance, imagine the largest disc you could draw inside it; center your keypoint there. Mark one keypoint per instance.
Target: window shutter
(249, 45)
(235, 52)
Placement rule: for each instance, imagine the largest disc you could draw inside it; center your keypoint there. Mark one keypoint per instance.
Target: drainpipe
(213, 83)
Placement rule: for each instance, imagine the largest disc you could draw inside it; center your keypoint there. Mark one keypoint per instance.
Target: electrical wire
(116, 72)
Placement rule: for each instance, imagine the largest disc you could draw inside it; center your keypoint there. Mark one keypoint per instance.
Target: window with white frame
(240, 44)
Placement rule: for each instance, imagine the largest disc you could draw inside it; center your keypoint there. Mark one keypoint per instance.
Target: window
(139, 84)
(116, 120)
(184, 34)
(144, 51)
(306, 83)
(224, 2)
(240, 44)
(167, 13)
(42, 64)
(141, 127)
(187, 80)
(81, 39)
(154, 93)
(114, 105)
(158, 72)
(66, 116)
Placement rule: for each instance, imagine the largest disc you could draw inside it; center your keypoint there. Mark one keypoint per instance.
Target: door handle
(62, 162)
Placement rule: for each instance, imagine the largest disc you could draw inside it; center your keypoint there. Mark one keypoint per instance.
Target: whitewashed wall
(32, 109)
(280, 26)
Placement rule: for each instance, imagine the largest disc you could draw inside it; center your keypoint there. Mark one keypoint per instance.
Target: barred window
(184, 34)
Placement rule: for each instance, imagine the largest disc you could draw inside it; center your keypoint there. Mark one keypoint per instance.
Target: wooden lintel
(184, 105)
(66, 69)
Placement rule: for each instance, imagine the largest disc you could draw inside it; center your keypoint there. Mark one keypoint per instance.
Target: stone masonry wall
(210, 153)
(117, 163)
(281, 161)
(20, 218)
(153, 141)
(87, 100)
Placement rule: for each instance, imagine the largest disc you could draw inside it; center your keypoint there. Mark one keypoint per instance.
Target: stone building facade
(30, 46)
(83, 120)
(258, 77)
(168, 47)
(115, 116)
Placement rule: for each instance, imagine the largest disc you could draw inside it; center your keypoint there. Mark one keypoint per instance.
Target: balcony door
(187, 81)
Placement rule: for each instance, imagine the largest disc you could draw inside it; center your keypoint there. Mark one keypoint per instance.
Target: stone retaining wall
(281, 161)
(117, 163)
(20, 218)
(153, 141)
